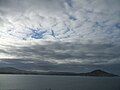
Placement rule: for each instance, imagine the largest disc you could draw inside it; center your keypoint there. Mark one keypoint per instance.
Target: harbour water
(47, 82)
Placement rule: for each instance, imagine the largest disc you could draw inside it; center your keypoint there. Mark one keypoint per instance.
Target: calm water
(41, 82)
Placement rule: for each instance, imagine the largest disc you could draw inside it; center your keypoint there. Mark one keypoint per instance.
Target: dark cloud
(74, 51)
(29, 64)
(86, 53)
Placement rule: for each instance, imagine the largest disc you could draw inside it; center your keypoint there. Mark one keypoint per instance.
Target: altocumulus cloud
(62, 20)
(60, 35)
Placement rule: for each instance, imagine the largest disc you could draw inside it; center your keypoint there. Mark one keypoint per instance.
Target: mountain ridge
(97, 72)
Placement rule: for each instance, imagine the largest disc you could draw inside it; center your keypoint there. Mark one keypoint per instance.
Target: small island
(97, 73)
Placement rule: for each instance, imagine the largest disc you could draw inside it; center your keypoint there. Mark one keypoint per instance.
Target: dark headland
(97, 73)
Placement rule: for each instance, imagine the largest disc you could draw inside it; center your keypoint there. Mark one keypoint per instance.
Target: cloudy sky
(60, 35)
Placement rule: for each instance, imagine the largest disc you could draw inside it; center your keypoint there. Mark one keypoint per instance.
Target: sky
(60, 35)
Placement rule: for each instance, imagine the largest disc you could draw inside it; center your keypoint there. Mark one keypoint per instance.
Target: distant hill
(99, 73)
(11, 70)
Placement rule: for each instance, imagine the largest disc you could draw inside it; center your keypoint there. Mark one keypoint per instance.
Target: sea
(51, 82)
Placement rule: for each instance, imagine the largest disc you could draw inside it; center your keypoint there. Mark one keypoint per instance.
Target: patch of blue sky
(52, 33)
(37, 33)
(69, 2)
(72, 18)
(67, 30)
(117, 25)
